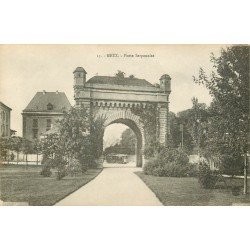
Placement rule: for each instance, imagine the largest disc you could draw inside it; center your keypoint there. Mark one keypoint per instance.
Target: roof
(80, 69)
(5, 106)
(165, 77)
(40, 101)
(119, 81)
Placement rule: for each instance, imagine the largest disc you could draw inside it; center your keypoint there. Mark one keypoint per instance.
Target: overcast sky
(26, 69)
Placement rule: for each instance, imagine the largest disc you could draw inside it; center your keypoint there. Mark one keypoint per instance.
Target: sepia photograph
(124, 125)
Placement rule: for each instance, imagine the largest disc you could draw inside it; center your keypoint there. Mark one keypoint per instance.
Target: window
(35, 123)
(35, 133)
(49, 106)
(49, 123)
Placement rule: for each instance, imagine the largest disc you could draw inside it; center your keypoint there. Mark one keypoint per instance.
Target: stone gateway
(115, 97)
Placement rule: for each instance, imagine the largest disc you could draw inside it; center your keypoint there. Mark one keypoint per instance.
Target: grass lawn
(187, 191)
(25, 184)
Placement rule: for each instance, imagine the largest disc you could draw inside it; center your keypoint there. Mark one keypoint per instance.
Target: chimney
(57, 92)
(44, 92)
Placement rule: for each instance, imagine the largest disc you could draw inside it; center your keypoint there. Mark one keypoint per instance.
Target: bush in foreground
(206, 177)
(46, 172)
(170, 163)
(58, 163)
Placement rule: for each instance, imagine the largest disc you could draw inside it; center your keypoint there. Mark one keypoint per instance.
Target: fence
(22, 159)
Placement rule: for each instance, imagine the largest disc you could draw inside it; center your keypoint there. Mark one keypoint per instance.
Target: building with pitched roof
(5, 130)
(43, 112)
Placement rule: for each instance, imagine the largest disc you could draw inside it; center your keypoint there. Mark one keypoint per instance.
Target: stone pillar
(138, 153)
(163, 123)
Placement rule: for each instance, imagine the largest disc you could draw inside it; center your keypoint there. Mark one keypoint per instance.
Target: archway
(131, 121)
(117, 97)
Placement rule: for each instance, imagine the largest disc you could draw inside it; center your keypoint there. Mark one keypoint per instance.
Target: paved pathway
(114, 186)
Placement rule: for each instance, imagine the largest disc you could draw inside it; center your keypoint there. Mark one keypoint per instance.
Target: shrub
(62, 172)
(60, 164)
(48, 163)
(178, 156)
(46, 172)
(154, 166)
(170, 163)
(87, 161)
(232, 164)
(206, 177)
(236, 190)
(192, 170)
(75, 167)
(152, 149)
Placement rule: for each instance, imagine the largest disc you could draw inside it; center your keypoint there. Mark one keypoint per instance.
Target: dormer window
(49, 106)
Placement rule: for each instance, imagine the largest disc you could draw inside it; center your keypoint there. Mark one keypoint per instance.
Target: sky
(27, 69)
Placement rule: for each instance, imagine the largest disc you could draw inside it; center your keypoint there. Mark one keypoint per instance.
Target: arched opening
(113, 133)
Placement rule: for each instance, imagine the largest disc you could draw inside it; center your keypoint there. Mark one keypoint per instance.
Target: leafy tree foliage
(78, 140)
(17, 144)
(3, 148)
(96, 135)
(149, 119)
(74, 133)
(228, 124)
(125, 146)
(120, 74)
(27, 147)
(194, 122)
(50, 145)
(170, 162)
(128, 140)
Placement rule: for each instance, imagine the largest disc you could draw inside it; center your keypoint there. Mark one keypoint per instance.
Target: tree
(126, 145)
(81, 136)
(149, 119)
(37, 147)
(96, 135)
(228, 124)
(15, 143)
(183, 118)
(77, 143)
(74, 135)
(120, 74)
(50, 145)
(27, 148)
(128, 141)
(197, 124)
(3, 149)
